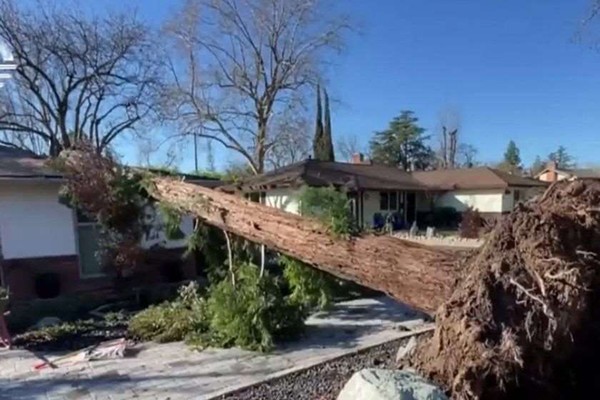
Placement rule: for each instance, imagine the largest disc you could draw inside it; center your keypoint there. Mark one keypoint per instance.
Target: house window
(391, 201)
(88, 238)
(517, 194)
(384, 201)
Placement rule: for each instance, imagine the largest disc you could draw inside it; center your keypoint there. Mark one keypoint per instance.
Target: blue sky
(511, 67)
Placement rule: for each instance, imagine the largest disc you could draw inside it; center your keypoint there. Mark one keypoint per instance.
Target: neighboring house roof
(585, 173)
(325, 173)
(23, 164)
(474, 178)
(581, 173)
(201, 180)
(16, 164)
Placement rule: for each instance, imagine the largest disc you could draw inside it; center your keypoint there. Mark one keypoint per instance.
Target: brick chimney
(359, 158)
(551, 175)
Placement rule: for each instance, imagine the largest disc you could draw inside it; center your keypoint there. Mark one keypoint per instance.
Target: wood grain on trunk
(419, 276)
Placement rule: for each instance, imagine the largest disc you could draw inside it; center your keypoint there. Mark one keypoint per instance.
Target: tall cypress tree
(318, 139)
(323, 144)
(327, 137)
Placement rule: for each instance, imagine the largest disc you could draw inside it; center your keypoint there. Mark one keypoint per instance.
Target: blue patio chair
(397, 222)
(378, 221)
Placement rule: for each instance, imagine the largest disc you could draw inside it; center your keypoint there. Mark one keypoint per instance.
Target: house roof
(585, 173)
(325, 173)
(23, 164)
(16, 163)
(581, 173)
(473, 178)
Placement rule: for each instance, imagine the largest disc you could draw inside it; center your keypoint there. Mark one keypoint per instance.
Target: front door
(411, 208)
(353, 199)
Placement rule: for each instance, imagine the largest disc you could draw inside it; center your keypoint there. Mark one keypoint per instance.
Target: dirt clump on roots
(523, 319)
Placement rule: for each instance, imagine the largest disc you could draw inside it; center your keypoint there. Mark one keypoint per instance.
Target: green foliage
(172, 221)
(403, 144)
(251, 314)
(172, 321)
(512, 159)
(329, 206)
(208, 174)
(3, 292)
(562, 158)
(310, 288)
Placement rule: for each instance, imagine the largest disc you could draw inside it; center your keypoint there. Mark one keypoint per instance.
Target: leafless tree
(293, 142)
(349, 145)
(466, 156)
(244, 65)
(448, 146)
(77, 77)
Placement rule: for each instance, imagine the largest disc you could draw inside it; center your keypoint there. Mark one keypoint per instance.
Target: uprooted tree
(516, 319)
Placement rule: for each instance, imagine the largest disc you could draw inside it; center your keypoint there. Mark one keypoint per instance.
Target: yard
(175, 371)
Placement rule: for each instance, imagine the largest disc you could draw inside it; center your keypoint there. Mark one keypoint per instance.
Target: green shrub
(251, 314)
(172, 321)
(446, 217)
(329, 206)
(310, 288)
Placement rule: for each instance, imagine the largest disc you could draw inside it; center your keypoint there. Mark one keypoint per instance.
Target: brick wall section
(19, 274)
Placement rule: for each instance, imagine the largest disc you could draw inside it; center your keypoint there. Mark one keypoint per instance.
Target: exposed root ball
(523, 319)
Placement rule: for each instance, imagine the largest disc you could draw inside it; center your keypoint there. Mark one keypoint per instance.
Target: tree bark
(418, 276)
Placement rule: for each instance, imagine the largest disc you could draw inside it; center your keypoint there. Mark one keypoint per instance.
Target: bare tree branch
(78, 77)
(248, 65)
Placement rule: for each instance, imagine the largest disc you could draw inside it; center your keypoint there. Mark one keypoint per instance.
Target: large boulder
(382, 384)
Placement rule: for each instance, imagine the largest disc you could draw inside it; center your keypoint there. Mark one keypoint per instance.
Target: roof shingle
(473, 178)
(324, 173)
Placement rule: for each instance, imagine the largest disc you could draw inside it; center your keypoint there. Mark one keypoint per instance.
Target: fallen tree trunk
(416, 275)
(521, 320)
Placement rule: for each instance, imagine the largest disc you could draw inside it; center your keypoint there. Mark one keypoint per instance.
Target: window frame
(76, 225)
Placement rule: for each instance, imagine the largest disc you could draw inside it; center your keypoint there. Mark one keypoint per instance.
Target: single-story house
(376, 191)
(490, 191)
(552, 173)
(40, 235)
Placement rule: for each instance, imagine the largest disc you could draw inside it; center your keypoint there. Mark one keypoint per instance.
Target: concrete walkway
(173, 371)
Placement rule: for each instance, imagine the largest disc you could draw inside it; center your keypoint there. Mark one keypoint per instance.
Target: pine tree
(512, 159)
(322, 143)
(403, 144)
(562, 158)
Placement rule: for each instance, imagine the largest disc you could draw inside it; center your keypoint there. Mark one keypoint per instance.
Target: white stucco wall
(370, 206)
(482, 200)
(496, 201)
(284, 199)
(34, 224)
(32, 221)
